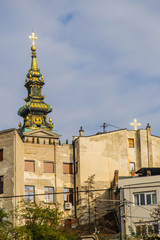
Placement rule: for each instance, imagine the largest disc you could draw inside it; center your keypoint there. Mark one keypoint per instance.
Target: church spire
(35, 110)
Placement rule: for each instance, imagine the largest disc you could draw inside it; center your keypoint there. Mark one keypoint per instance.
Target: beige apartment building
(34, 165)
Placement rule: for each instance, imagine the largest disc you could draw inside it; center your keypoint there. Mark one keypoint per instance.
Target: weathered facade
(32, 163)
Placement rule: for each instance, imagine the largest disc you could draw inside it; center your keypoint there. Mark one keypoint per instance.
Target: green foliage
(142, 235)
(59, 142)
(37, 140)
(66, 141)
(5, 225)
(36, 221)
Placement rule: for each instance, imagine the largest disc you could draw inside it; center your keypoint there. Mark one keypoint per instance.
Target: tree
(88, 187)
(5, 225)
(35, 221)
(40, 221)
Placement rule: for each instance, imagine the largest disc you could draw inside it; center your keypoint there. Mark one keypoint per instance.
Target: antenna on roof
(105, 125)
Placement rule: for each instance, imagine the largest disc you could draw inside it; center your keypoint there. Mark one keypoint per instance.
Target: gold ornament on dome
(37, 120)
(50, 120)
(19, 124)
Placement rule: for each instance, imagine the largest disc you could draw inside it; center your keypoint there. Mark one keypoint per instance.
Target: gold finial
(50, 120)
(19, 124)
(33, 38)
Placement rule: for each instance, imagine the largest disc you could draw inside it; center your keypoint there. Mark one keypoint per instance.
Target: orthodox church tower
(35, 110)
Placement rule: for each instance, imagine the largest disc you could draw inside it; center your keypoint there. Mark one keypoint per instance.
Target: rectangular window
(67, 168)
(142, 199)
(156, 228)
(48, 167)
(48, 194)
(29, 193)
(131, 142)
(29, 165)
(132, 167)
(138, 229)
(145, 198)
(144, 229)
(1, 154)
(68, 195)
(1, 184)
(76, 166)
(150, 229)
(147, 228)
(77, 196)
(136, 199)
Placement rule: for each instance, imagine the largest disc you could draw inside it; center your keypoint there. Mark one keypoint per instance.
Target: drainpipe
(75, 188)
(55, 172)
(148, 128)
(15, 177)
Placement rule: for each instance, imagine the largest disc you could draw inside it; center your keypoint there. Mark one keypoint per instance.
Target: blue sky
(100, 61)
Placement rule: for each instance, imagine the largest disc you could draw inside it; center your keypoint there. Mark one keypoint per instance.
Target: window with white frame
(132, 167)
(145, 198)
(48, 194)
(68, 195)
(29, 193)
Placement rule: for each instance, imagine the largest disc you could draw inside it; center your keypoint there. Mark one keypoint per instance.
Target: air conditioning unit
(67, 206)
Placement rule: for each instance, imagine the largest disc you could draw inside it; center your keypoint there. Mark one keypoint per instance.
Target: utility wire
(81, 191)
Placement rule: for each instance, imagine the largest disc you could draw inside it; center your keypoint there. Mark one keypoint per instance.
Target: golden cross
(135, 124)
(33, 38)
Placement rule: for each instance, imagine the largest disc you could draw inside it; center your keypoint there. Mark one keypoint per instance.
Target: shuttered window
(131, 142)
(67, 168)
(29, 165)
(48, 167)
(1, 154)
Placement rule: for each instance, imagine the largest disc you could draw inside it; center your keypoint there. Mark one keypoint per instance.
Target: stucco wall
(7, 168)
(101, 155)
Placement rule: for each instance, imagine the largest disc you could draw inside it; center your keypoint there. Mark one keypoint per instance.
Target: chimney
(148, 128)
(81, 131)
(116, 174)
(132, 173)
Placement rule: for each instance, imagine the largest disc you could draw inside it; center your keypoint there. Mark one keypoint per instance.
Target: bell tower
(35, 110)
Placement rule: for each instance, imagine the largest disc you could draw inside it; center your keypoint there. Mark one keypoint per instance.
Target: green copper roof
(35, 110)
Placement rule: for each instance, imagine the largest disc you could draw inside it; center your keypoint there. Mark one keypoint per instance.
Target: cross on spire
(135, 124)
(33, 38)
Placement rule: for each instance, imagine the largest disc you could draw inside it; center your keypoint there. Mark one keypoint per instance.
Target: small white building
(139, 197)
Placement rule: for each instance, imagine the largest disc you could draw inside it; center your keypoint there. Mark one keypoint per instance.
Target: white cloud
(100, 61)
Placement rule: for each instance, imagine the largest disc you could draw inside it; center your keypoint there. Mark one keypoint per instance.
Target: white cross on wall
(135, 124)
